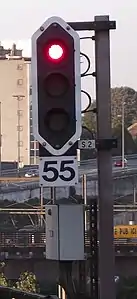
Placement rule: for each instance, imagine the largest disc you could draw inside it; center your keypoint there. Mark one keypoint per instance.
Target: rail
(38, 239)
(36, 210)
(22, 239)
(18, 179)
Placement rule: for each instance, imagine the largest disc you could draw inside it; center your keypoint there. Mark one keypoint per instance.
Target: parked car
(32, 173)
(118, 163)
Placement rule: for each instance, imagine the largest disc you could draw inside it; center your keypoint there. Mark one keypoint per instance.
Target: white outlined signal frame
(35, 117)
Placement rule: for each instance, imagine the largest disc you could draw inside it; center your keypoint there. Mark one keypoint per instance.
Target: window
(20, 67)
(31, 137)
(19, 128)
(20, 82)
(32, 153)
(30, 114)
(37, 160)
(20, 112)
(31, 129)
(20, 143)
(31, 160)
(32, 145)
(30, 90)
(30, 121)
(37, 145)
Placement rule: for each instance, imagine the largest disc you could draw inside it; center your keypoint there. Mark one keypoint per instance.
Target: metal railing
(128, 157)
(38, 239)
(22, 239)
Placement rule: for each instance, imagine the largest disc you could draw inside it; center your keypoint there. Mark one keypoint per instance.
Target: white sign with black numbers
(58, 171)
(86, 144)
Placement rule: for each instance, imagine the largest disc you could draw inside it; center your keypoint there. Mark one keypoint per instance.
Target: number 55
(51, 166)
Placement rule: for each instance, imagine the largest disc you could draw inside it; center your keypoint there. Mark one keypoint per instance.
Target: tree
(27, 282)
(89, 118)
(3, 279)
(118, 94)
(128, 96)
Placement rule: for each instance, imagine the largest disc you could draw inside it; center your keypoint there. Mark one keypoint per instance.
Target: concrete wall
(19, 192)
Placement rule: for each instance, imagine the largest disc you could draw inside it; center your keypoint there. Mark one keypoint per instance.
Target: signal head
(57, 84)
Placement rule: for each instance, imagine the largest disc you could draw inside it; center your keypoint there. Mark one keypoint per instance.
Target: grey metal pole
(35, 152)
(84, 195)
(123, 133)
(41, 206)
(104, 158)
(53, 195)
(134, 199)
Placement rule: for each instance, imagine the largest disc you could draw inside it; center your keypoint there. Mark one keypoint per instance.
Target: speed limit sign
(58, 171)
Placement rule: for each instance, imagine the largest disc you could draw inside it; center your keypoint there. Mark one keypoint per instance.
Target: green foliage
(27, 282)
(3, 279)
(118, 95)
(129, 97)
(89, 119)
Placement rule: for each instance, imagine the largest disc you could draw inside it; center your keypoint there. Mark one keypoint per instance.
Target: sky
(20, 19)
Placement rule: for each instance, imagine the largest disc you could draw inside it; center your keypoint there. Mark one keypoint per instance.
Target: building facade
(34, 146)
(14, 106)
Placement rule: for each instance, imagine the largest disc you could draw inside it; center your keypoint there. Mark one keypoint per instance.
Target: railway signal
(56, 86)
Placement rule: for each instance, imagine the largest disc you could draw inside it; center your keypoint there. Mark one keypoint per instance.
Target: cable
(84, 74)
(88, 67)
(89, 104)
(90, 74)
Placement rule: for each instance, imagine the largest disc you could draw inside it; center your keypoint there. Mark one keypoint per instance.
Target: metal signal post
(104, 158)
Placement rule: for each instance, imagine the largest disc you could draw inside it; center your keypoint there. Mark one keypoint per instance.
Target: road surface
(91, 167)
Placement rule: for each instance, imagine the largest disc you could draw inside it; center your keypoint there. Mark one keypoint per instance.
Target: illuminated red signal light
(54, 52)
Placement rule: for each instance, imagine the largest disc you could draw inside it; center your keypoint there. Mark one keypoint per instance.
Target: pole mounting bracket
(106, 144)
